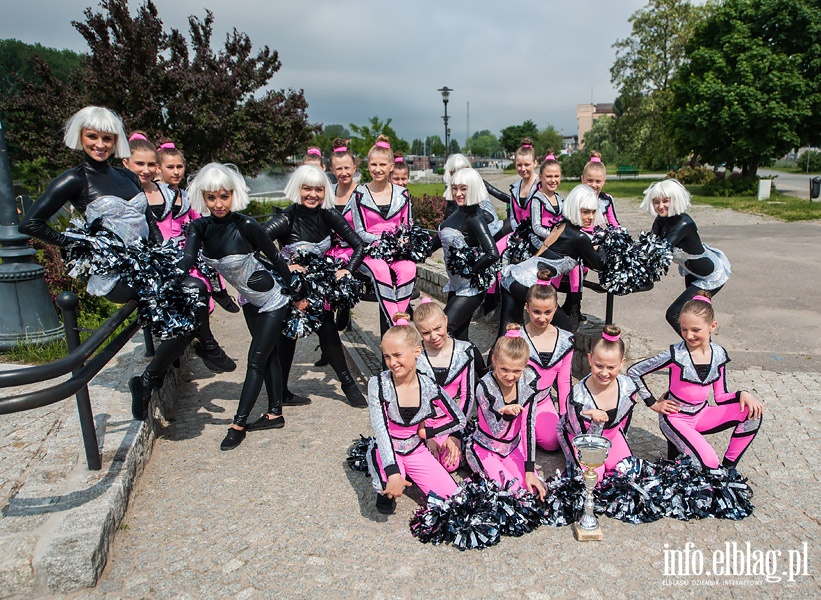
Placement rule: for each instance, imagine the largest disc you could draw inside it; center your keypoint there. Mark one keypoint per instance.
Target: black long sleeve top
(680, 231)
(80, 186)
(234, 233)
(298, 223)
(469, 221)
(573, 242)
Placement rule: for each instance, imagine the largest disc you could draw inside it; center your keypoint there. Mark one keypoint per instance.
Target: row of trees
(734, 82)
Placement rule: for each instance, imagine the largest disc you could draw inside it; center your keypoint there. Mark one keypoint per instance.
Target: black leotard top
(80, 186)
(573, 242)
(680, 231)
(234, 233)
(298, 223)
(469, 220)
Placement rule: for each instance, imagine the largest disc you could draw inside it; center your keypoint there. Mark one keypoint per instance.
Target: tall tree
(548, 139)
(325, 138)
(483, 143)
(602, 138)
(417, 147)
(750, 90)
(435, 145)
(365, 136)
(645, 65)
(512, 135)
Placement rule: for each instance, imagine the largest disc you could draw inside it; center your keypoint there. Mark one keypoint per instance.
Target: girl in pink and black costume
(705, 269)
(546, 206)
(451, 363)
(594, 175)
(380, 206)
(601, 403)
(696, 365)
(401, 401)
(503, 446)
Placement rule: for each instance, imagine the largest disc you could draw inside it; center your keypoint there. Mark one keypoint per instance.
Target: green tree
(417, 147)
(365, 136)
(324, 139)
(435, 145)
(602, 138)
(16, 62)
(750, 90)
(643, 70)
(455, 148)
(483, 143)
(512, 135)
(548, 138)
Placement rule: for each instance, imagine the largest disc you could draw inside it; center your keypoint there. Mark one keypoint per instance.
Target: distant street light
(445, 96)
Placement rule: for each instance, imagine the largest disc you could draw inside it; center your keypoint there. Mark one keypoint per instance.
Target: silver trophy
(591, 450)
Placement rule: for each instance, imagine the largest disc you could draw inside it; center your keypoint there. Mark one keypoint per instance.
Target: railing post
(149, 342)
(68, 302)
(608, 311)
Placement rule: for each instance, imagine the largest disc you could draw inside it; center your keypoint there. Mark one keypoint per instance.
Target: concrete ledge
(57, 528)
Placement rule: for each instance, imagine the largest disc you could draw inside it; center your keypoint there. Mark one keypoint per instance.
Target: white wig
(100, 119)
(472, 179)
(214, 177)
(668, 188)
(313, 176)
(453, 164)
(582, 196)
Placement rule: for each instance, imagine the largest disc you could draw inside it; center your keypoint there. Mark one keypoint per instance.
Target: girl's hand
(342, 273)
(433, 447)
(598, 416)
(511, 409)
(663, 406)
(299, 268)
(301, 305)
(748, 401)
(421, 431)
(454, 452)
(535, 485)
(396, 486)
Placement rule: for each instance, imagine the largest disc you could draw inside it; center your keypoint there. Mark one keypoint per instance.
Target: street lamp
(445, 91)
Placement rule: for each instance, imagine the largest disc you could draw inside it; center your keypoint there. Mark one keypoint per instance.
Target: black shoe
(140, 398)
(385, 505)
(215, 358)
(233, 439)
(353, 393)
(225, 301)
(415, 294)
(343, 319)
(265, 423)
(291, 399)
(322, 362)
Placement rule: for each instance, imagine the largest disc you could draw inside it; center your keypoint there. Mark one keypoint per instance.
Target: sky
(356, 59)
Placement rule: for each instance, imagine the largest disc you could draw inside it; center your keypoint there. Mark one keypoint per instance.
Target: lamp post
(445, 91)
(28, 314)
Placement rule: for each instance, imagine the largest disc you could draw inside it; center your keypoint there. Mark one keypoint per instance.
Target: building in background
(586, 114)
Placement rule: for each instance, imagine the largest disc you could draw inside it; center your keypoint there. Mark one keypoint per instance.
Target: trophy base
(583, 535)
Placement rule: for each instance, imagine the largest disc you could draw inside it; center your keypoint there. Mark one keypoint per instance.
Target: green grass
(786, 208)
(417, 190)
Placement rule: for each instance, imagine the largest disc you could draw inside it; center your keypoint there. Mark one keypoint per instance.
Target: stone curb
(57, 529)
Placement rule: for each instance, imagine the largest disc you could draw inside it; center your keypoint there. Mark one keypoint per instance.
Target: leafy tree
(16, 62)
(365, 136)
(483, 143)
(645, 65)
(436, 147)
(417, 147)
(455, 148)
(546, 139)
(750, 90)
(512, 136)
(324, 139)
(602, 138)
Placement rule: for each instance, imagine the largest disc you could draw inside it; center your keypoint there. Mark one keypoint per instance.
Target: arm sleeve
(478, 228)
(154, 233)
(340, 226)
(530, 432)
(254, 234)
(536, 219)
(277, 226)
(469, 385)
(359, 223)
(406, 195)
(436, 242)
(379, 422)
(193, 243)
(610, 212)
(564, 380)
(720, 393)
(457, 418)
(496, 192)
(589, 256)
(62, 189)
(643, 368)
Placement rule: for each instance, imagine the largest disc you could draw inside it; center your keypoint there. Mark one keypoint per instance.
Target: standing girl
(551, 356)
(546, 207)
(452, 365)
(504, 445)
(705, 269)
(306, 227)
(522, 191)
(594, 175)
(229, 241)
(696, 365)
(401, 400)
(601, 403)
(380, 206)
(466, 229)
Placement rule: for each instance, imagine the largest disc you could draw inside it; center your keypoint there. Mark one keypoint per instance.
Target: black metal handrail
(82, 372)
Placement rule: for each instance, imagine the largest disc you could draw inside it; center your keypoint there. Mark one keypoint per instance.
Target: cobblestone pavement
(283, 516)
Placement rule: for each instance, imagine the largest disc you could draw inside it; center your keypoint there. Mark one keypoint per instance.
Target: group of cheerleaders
(437, 405)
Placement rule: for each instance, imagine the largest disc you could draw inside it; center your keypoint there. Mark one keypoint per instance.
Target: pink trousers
(423, 469)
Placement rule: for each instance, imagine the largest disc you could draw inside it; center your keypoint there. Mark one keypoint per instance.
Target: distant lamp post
(445, 91)
(28, 315)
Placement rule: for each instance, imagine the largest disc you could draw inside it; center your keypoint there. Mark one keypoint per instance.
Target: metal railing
(78, 364)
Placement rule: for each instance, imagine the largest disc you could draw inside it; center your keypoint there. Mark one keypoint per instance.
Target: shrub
(693, 175)
(573, 164)
(429, 211)
(814, 161)
(732, 185)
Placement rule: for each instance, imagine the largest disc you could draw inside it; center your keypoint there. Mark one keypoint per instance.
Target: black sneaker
(291, 399)
(233, 439)
(322, 362)
(265, 423)
(343, 318)
(140, 398)
(225, 301)
(385, 505)
(215, 358)
(354, 395)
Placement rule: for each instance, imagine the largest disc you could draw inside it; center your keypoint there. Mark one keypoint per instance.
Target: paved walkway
(282, 515)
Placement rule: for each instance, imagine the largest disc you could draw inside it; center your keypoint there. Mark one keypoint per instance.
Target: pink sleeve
(720, 393)
(563, 379)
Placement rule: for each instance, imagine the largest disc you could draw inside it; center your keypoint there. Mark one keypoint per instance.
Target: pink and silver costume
(615, 429)
(503, 446)
(397, 446)
(458, 380)
(689, 385)
(340, 249)
(393, 281)
(543, 215)
(608, 209)
(551, 367)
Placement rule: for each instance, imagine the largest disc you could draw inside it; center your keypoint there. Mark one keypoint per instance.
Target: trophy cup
(591, 450)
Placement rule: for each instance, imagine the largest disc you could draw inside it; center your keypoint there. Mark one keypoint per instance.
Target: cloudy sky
(358, 58)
